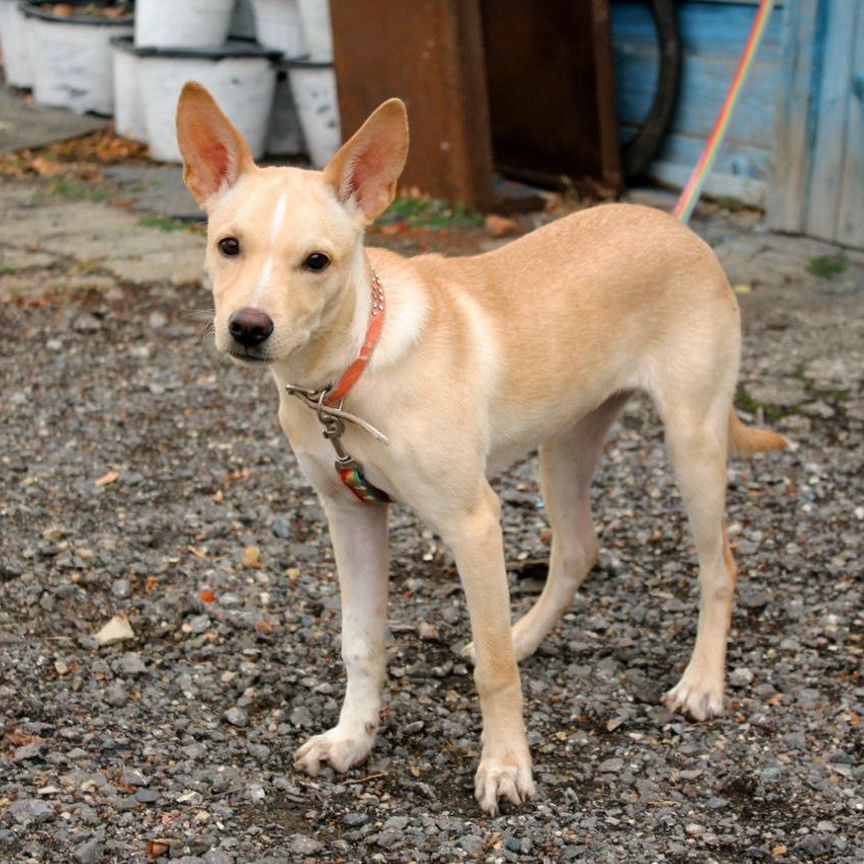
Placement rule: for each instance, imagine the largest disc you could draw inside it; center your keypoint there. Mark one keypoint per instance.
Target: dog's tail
(744, 441)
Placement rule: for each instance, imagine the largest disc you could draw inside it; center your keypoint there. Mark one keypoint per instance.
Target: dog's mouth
(249, 358)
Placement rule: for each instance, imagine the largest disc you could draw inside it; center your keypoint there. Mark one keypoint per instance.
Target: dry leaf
(116, 630)
(779, 851)
(252, 558)
(500, 226)
(151, 584)
(159, 848)
(18, 739)
(199, 552)
(207, 596)
(107, 479)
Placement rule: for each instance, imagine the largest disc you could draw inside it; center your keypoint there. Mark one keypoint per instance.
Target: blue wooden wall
(714, 35)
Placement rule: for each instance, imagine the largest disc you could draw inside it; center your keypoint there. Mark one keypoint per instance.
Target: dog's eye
(317, 261)
(229, 246)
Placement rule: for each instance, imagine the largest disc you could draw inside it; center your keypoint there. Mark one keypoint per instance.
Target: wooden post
(429, 53)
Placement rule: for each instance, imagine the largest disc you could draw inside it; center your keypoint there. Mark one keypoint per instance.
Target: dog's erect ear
(214, 152)
(366, 168)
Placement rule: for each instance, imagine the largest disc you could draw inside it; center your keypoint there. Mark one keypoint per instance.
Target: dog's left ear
(215, 154)
(365, 170)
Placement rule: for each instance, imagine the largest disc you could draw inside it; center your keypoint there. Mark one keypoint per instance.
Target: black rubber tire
(637, 154)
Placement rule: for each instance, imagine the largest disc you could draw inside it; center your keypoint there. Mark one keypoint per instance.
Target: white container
(13, 39)
(241, 77)
(181, 23)
(242, 21)
(278, 25)
(314, 88)
(285, 137)
(317, 29)
(129, 118)
(71, 59)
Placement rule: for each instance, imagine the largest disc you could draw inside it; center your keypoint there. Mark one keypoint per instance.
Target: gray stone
(300, 844)
(89, 852)
(121, 589)
(31, 811)
(236, 716)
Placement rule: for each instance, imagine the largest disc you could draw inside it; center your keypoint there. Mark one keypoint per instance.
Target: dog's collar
(373, 333)
(327, 404)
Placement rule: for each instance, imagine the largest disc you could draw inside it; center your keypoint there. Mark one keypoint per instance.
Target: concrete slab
(156, 189)
(25, 125)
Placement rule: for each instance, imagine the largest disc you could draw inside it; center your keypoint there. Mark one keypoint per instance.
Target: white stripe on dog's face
(275, 232)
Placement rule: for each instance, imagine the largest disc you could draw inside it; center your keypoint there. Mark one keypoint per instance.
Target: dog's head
(283, 243)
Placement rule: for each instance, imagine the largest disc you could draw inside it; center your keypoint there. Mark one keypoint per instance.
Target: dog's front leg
(359, 535)
(475, 538)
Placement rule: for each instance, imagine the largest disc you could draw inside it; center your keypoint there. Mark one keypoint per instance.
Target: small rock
(89, 852)
(611, 766)
(147, 796)
(236, 716)
(157, 320)
(130, 664)
(302, 845)
(741, 677)
(115, 695)
(302, 716)
(121, 589)
(31, 811)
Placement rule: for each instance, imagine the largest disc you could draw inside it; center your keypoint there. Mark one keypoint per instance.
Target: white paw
(509, 779)
(338, 748)
(700, 697)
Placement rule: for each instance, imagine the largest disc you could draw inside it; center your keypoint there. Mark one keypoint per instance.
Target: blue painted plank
(789, 187)
(850, 218)
(834, 95)
(713, 36)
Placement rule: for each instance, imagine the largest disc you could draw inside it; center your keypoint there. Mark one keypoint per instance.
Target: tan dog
(480, 360)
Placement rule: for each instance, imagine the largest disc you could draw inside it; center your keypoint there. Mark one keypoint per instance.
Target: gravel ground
(139, 474)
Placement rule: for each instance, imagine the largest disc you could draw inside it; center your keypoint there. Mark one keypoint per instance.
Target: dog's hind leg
(567, 465)
(697, 443)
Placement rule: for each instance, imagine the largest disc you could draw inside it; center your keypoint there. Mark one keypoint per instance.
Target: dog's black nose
(250, 327)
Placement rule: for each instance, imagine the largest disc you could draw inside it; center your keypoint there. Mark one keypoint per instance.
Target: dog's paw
(336, 748)
(509, 779)
(701, 699)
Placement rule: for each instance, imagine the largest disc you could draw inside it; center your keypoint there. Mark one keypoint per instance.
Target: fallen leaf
(18, 739)
(207, 596)
(151, 584)
(500, 226)
(107, 479)
(159, 848)
(252, 558)
(779, 851)
(116, 630)
(199, 552)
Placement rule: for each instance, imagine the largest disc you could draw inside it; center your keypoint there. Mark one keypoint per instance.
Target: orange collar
(373, 333)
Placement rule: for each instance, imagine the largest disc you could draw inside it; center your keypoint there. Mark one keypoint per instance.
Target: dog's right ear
(214, 152)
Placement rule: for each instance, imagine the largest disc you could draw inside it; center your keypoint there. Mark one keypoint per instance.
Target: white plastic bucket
(242, 79)
(13, 39)
(313, 86)
(71, 60)
(285, 137)
(317, 29)
(278, 25)
(181, 23)
(129, 119)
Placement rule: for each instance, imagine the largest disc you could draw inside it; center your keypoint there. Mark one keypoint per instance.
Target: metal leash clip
(314, 399)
